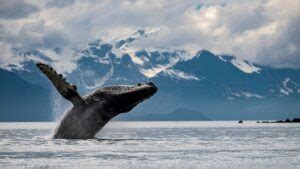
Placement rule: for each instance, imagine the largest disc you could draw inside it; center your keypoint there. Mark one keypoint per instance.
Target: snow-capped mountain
(225, 87)
(219, 86)
(102, 63)
(235, 78)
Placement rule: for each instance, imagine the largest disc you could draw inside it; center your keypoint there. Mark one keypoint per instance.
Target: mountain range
(191, 87)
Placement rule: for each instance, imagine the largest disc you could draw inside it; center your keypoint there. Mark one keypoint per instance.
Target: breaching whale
(89, 114)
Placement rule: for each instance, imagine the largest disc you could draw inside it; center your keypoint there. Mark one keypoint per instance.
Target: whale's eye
(139, 84)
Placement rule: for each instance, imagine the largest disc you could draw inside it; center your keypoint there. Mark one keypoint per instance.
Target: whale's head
(123, 98)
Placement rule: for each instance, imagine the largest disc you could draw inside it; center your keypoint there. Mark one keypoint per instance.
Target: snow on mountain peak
(156, 60)
(221, 58)
(101, 81)
(286, 90)
(121, 46)
(245, 66)
(243, 94)
(138, 34)
(12, 66)
(180, 74)
(151, 72)
(22, 56)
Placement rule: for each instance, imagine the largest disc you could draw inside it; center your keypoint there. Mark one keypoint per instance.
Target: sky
(261, 31)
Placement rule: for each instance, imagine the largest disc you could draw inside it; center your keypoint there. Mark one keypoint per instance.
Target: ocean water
(214, 144)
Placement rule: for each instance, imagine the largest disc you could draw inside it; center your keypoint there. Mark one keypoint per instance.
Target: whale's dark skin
(90, 113)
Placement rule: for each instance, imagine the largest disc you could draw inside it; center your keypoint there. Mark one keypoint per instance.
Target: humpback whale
(90, 113)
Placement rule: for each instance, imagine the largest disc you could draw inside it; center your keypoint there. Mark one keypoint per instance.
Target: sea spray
(59, 105)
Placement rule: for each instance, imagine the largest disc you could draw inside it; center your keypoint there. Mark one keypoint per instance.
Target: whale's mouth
(125, 98)
(138, 95)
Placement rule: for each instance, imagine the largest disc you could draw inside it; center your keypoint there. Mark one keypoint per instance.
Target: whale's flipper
(67, 90)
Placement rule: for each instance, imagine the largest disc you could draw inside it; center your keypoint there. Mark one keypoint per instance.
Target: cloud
(251, 30)
(39, 35)
(6, 53)
(13, 9)
(264, 32)
(59, 3)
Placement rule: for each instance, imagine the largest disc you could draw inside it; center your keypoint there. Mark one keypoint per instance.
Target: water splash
(59, 105)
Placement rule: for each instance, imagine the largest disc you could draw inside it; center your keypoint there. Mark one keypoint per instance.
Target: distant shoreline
(295, 120)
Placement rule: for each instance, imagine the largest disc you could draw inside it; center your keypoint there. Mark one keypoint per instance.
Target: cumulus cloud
(264, 32)
(59, 3)
(39, 35)
(12, 9)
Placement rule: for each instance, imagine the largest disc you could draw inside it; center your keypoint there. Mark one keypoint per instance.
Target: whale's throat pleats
(67, 90)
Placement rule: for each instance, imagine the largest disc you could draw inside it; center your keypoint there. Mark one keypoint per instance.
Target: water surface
(155, 144)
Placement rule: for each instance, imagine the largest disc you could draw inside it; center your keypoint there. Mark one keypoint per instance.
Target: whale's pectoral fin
(67, 90)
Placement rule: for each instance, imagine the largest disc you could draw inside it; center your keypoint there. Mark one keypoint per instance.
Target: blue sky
(264, 32)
